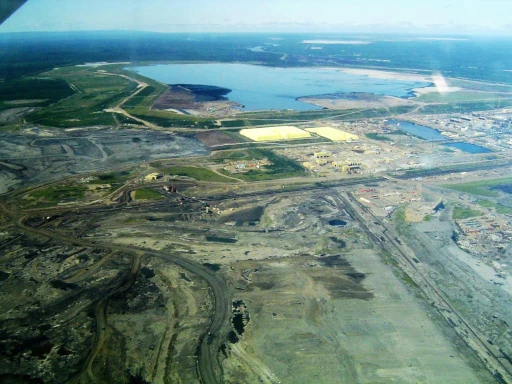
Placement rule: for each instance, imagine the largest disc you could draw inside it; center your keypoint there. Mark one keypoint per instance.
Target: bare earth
(376, 74)
(362, 102)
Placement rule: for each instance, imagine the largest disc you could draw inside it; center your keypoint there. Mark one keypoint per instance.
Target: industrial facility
(275, 133)
(152, 176)
(322, 154)
(333, 134)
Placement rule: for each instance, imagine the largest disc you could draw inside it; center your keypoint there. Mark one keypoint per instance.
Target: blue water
(467, 147)
(264, 88)
(426, 133)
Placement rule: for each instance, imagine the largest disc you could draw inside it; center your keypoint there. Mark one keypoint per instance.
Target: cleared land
(242, 260)
(316, 297)
(346, 101)
(218, 138)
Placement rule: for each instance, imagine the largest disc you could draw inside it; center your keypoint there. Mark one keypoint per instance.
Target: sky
(405, 16)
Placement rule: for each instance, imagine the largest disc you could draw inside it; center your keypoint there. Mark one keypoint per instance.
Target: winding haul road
(209, 366)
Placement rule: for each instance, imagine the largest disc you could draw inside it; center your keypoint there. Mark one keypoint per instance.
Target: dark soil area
(216, 138)
(177, 98)
(244, 216)
(189, 96)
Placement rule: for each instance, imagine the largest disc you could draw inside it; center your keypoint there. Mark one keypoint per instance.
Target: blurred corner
(8, 7)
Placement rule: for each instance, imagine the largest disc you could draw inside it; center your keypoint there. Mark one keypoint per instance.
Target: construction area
(307, 265)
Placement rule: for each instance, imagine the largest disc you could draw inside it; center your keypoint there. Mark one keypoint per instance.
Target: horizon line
(374, 33)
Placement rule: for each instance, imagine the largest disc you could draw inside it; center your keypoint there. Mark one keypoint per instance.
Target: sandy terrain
(341, 318)
(303, 334)
(387, 75)
(340, 103)
(426, 90)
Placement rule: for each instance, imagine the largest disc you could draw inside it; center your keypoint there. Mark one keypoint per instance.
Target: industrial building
(349, 166)
(275, 133)
(152, 176)
(333, 134)
(322, 154)
(309, 165)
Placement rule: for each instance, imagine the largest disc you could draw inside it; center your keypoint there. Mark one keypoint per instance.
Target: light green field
(54, 195)
(460, 212)
(147, 194)
(197, 173)
(94, 92)
(281, 167)
(479, 187)
(498, 207)
(101, 88)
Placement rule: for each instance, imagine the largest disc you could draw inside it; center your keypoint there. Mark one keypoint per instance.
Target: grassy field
(460, 212)
(113, 178)
(480, 86)
(281, 167)
(146, 98)
(95, 92)
(197, 173)
(444, 169)
(498, 207)
(401, 224)
(504, 210)
(459, 97)
(122, 120)
(465, 107)
(32, 92)
(250, 122)
(71, 192)
(54, 195)
(482, 188)
(170, 119)
(486, 203)
(273, 117)
(147, 194)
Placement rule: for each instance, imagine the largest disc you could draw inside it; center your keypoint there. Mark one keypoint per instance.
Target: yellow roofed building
(152, 176)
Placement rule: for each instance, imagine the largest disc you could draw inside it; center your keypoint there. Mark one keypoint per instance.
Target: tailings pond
(432, 134)
(467, 147)
(266, 88)
(421, 131)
